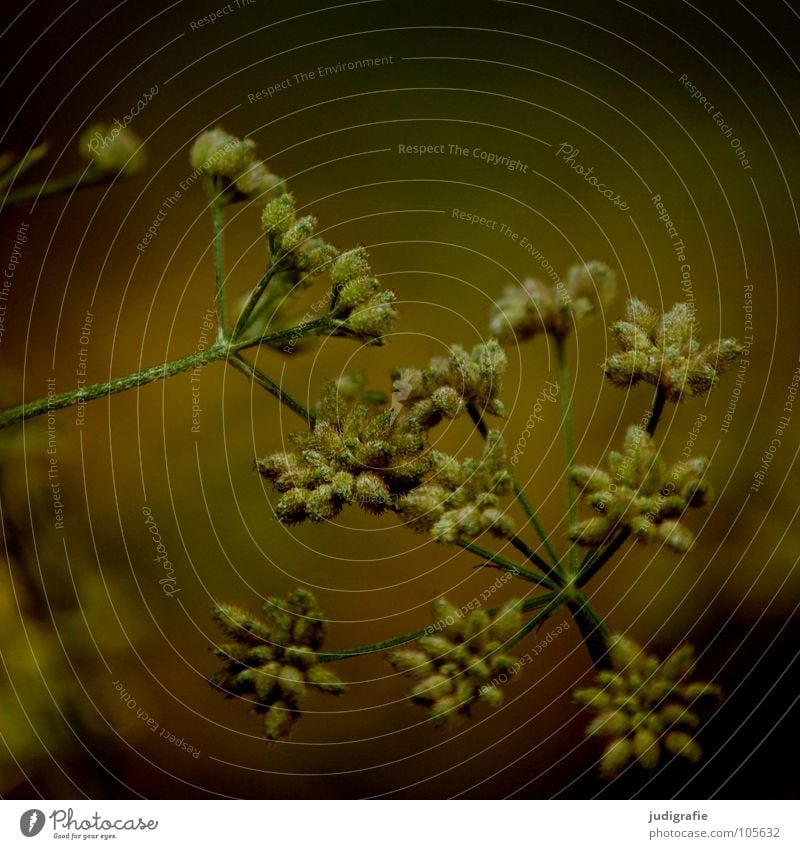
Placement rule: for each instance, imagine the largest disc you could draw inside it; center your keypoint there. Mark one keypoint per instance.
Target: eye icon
(31, 822)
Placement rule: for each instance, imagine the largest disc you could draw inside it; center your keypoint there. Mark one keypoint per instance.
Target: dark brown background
(512, 78)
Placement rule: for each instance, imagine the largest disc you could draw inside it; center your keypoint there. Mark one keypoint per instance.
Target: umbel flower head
(537, 307)
(645, 706)
(640, 494)
(272, 658)
(664, 351)
(112, 149)
(232, 161)
(380, 459)
(462, 499)
(456, 665)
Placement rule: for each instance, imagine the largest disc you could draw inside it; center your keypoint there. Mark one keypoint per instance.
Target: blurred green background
(82, 606)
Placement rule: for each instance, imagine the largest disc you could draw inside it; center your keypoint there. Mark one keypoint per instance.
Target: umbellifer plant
(373, 450)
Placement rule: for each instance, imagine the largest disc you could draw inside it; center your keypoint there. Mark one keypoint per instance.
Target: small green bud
(112, 150)
(616, 756)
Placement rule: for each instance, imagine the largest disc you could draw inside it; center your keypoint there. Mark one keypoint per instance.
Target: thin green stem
(504, 563)
(483, 430)
(240, 363)
(371, 648)
(531, 555)
(596, 563)
(565, 392)
(255, 296)
(57, 186)
(556, 600)
(160, 372)
(218, 213)
(28, 160)
(533, 519)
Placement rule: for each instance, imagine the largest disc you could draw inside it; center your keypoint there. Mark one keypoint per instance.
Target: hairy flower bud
(112, 150)
(651, 706)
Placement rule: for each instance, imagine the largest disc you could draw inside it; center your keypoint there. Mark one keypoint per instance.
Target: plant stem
(658, 409)
(592, 630)
(28, 160)
(533, 519)
(240, 363)
(255, 295)
(483, 430)
(503, 563)
(131, 381)
(525, 549)
(596, 563)
(217, 211)
(111, 387)
(57, 186)
(371, 648)
(564, 391)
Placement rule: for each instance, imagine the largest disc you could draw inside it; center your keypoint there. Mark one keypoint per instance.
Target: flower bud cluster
(232, 161)
(380, 459)
(352, 454)
(535, 307)
(640, 494)
(664, 351)
(271, 659)
(294, 249)
(359, 307)
(462, 499)
(448, 383)
(646, 706)
(455, 666)
(112, 150)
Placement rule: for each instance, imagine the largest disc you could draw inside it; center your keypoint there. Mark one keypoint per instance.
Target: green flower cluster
(664, 351)
(640, 494)
(272, 658)
(294, 249)
(232, 161)
(359, 308)
(380, 459)
(462, 499)
(645, 705)
(536, 307)
(456, 663)
(112, 150)
(474, 378)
